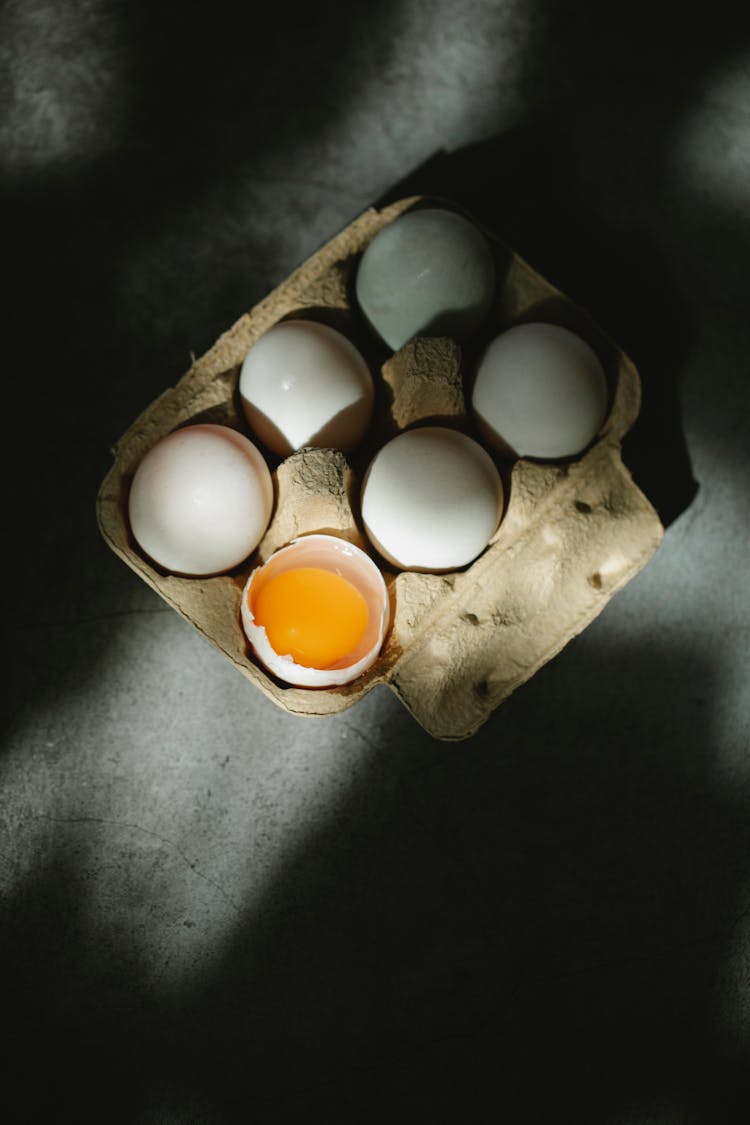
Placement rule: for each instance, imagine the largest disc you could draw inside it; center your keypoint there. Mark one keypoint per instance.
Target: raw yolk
(314, 615)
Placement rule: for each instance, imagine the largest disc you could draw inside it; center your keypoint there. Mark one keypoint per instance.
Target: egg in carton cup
(457, 643)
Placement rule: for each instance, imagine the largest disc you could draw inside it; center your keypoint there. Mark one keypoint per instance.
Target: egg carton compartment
(572, 534)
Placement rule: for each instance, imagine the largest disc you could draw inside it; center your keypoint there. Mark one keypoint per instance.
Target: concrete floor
(214, 912)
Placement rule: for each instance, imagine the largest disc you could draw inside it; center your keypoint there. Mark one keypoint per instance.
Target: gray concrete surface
(215, 912)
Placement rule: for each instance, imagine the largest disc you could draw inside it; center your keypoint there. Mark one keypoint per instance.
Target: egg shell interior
(326, 553)
(572, 534)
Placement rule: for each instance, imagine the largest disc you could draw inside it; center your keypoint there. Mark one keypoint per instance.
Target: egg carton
(572, 534)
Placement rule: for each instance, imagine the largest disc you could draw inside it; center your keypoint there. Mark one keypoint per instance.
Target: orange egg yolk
(314, 615)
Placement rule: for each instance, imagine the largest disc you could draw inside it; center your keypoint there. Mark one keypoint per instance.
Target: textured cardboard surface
(573, 533)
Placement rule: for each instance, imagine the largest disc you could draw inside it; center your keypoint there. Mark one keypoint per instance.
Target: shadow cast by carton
(494, 179)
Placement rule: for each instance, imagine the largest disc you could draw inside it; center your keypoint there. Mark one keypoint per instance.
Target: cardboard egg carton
(572, 534)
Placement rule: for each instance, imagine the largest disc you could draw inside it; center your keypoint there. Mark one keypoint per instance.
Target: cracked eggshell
(341, 557)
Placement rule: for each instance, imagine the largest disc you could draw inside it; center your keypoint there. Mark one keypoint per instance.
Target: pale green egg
(429, 273)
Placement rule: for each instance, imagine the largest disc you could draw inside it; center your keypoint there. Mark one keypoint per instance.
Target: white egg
(540, 391)
(200, 500)
(304, 383)
(431, 499)
(313, 554)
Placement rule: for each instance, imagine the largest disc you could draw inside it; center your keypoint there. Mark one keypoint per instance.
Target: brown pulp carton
(572, 534)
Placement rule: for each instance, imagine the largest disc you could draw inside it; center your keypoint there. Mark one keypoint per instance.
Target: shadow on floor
(518, 186)
(538, 916)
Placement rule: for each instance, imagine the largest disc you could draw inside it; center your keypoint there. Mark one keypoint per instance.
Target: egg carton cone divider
(572, 534)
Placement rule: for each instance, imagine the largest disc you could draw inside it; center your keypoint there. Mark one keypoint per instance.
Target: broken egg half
(316, 612)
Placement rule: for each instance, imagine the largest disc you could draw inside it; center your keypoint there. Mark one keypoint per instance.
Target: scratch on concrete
(108, 823)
